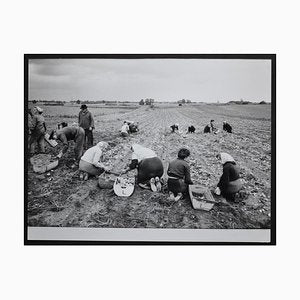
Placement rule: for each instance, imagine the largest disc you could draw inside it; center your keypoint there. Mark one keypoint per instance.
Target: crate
(201, 197)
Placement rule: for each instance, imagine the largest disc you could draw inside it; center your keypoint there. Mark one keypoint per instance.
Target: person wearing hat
(37, 129)
(86, 121)
(67, 134)
(90, 163)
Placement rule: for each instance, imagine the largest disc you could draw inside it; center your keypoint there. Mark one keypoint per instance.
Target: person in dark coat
(207, 129)
(191, 129)
(86, 121)
(67, 134)
(230, 182)
(174, 127)
(37, 128)
(227, 127)
(179, 175)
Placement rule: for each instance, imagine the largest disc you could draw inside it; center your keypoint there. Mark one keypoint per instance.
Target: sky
(200, 80)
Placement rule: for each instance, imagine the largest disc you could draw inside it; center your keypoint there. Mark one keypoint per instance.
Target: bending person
(230, 182)
(179, 175)
(150, 167)
(227, 127)
(67, 134)
(90, 163)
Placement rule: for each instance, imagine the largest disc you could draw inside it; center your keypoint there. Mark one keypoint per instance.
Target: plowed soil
(60, 198)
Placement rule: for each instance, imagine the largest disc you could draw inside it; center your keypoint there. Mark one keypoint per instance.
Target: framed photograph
(156, 149)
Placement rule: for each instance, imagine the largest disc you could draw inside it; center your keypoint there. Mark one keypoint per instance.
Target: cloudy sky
(207, 80)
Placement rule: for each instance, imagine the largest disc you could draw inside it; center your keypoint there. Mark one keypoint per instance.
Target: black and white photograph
(150, 148)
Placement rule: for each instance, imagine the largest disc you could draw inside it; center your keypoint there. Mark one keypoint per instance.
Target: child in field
(90, 162)
(179, 175)
(150, 167)
(230, 182)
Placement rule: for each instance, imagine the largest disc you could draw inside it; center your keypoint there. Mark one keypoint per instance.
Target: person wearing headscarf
(230, 182)
(149, 166)
(90, 163)
(227, 127)
(67, 134)
(179, 175)
(37, 129)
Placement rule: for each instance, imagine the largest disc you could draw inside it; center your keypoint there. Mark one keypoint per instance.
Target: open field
(59, 198)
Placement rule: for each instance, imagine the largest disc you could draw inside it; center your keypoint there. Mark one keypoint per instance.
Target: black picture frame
(271, 57)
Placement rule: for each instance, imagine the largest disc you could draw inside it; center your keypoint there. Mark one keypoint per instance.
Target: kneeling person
(230, 182)
(179, 175)
(150, 167)
(90, 162)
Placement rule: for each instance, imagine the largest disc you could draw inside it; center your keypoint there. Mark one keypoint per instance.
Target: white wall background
(108, 272)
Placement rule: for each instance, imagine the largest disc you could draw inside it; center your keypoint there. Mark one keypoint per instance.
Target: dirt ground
(59, 198)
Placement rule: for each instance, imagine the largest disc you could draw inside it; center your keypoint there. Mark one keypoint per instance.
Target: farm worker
(174, 127)
(133, 127)
(213, 128)
(37, 129)
(86, 121)
(125, 129)
(150, 167)
(67, 134)
(179, 175)
(90, 162)
(230, 182)
(191, 129)
(227, 127)
(207, 129)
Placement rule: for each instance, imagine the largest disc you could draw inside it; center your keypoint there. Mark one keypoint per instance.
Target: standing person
(86, 121)
(150, 167)
(179, 175)
(230, 182)
(67, 134)
(90, 163)
(125, 129)
(227, 127)
(37, 129)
